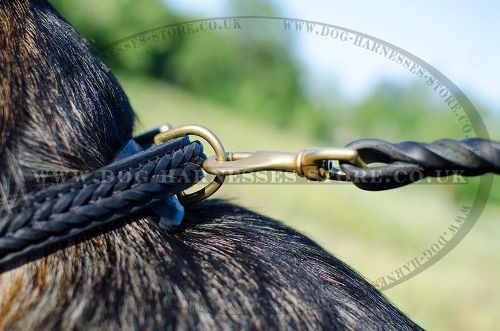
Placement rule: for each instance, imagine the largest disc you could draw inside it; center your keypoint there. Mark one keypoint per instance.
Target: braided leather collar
(41, 220)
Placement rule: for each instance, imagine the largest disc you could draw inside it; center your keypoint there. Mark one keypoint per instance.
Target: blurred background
(258, 85)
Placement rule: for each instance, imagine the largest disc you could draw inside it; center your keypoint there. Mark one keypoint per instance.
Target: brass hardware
(311, 163)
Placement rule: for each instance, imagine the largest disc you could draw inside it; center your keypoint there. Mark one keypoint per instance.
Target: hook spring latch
(312, 163)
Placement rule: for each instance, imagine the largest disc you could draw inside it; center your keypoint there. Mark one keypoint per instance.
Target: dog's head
(61, 110)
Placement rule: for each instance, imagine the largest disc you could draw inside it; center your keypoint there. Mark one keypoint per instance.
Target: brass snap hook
(311, 163)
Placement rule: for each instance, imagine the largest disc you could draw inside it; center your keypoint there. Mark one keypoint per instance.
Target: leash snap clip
(314, 163)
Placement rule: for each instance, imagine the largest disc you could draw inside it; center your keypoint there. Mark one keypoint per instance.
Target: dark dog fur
(227, 268)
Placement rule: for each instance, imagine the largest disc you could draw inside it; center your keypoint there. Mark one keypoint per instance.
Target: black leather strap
(410, 161)
(107, 195)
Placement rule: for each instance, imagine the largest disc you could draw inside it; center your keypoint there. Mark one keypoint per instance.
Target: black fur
(226, 268)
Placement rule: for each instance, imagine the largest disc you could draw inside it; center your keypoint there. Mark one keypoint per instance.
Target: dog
(62, 110)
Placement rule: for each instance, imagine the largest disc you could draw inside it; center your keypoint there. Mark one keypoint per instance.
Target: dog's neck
(60, 107)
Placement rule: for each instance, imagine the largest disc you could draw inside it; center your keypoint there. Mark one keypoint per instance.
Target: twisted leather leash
(410, 161)
(61, 212)
(403, 163)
